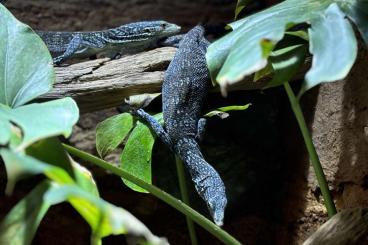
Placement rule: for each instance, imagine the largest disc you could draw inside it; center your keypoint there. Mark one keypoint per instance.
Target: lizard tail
(206, 179)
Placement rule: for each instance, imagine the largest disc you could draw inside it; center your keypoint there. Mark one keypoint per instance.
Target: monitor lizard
(184, 89)
(125, 39)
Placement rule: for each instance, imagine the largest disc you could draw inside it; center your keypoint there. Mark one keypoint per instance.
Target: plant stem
(185, 198)
(167, 198)
(321, 178)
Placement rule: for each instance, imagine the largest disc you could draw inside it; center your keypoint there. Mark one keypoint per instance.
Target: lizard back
(185, 86)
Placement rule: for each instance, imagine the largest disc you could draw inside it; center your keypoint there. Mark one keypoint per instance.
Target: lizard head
(147, 30)
(216, 207)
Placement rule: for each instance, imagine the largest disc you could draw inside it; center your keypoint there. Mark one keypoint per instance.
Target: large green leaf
(38, 121)
(334, 48)
(357, 10)
(19, 166)
(137, 154)
(105, 219)
(112, 132)
(247, 48)
(51, 151)
(20, 224)
(26, 69)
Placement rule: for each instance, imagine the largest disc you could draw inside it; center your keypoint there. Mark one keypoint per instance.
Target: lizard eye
(146, 30)
(163, 25)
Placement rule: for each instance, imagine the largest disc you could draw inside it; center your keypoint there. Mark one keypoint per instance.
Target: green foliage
(247, 48)
(334, 48)
(286, 62)
(20, 224)
(222, 111)
(136, 157)
(112, 132)
(240, 5)
(28, 148)
(31, 119)
(25, 70)
(137, 154)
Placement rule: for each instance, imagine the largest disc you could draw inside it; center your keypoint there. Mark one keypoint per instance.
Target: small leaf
(301, 34)
(137, 154)
(20, 224)
(333, 46)
(241, 4)
(38, 121)
(221, 111)
(26, 69)
(141, 100)
(112, 132)
(286, 63)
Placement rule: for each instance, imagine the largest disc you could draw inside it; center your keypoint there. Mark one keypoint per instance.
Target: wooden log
(347, 227)
(103, 83)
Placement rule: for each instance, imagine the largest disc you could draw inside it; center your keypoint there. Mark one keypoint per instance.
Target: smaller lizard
(185, 86)
(125, 39)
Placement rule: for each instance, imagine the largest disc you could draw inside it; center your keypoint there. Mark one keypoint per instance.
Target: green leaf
(333, 46)
(104, 218)
(26, 69)
(221, 111)
(357, 10)
(267, 70)
(38, 121)
(51, 151)
(137, 154)
(245, 50)
(20, 224)
(285, 63)
(240, 5)
(112, 132)
(19, 166)
(301, 34)
(5, 131)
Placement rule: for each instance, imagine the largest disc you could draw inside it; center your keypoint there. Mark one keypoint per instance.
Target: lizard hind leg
(201, 129)
(154, 125)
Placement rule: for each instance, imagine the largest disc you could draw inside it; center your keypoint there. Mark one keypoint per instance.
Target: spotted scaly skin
(125, 39)
(184, 89)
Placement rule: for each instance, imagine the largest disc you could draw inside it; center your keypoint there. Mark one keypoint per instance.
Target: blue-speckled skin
(184, 89)
(129, 38)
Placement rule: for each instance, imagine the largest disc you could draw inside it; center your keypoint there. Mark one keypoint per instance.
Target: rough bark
(347, 227)
(104, 83)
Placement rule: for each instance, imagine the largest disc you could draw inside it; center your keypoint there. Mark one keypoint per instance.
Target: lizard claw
(58, 60)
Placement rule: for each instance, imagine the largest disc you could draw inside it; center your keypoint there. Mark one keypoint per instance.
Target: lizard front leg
(72, 47)
(155, 126)
(75, 45)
